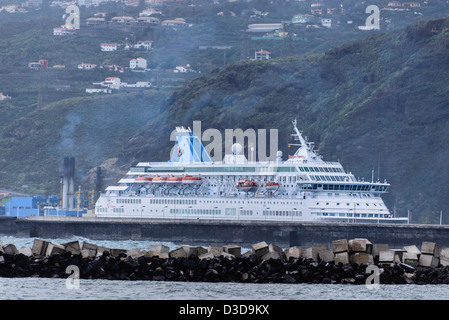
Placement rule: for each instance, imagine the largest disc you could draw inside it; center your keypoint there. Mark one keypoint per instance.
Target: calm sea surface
(49, 289)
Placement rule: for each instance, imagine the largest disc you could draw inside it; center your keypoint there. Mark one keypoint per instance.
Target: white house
(64, 30)
(139, 84)
(98, 90)
(87, 66)
(148, 20)
(262, 55)
(113, 83)
(326, 22)
(139, 63)
(148, 12)
(4, 97)
(109, 46)
(123, 20)
(145, 45)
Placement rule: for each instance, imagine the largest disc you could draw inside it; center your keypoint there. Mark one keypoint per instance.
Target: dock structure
(219, 232)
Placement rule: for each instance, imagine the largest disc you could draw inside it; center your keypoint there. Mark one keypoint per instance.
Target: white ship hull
(307, 189)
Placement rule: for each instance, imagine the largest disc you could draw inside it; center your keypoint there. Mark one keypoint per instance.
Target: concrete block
(306, 253)
(116, 252)
(249, 253)
(294, 252)
(26, 251)
(73, 247)
(273, 255)
(386, 256)
(215, 250)
(159, 248)
(274, 248)
(235, 250)
(162, 255)
(340, 245)
(178, 253)
(260, 249)
(227, 255)
(410, 258)
(430, 248)
(342, 257)
(39, 247)
(399, 253)
(134, 253)
(10, 249)
(444, 261)
(207, 255)
(377, 248)
(428, 260)
(316, 249)
(444, 253)
(201, 250)
(90, 249)
(361, 258)
(412, 249)
(54, 248)
(326, 255)
(88, 253)
(190, 250)
(100, 250)
(357, 245)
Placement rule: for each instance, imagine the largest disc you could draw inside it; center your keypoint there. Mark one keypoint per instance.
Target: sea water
(99, 289)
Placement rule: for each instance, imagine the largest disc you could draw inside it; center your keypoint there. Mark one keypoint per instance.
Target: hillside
(379, 103)
(90, 129)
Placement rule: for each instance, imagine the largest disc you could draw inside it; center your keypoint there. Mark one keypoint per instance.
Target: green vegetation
(380, 103)
(373, 100)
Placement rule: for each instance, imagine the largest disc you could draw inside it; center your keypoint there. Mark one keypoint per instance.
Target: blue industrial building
(22, 207)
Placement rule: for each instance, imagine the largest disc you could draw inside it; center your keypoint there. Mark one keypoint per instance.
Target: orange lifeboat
(271, 186)
(246, 185)
(158, 179)
(174, 179)
(144, 179)
(191, 179)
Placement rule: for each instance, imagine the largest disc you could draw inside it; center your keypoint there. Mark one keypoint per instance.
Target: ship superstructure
(192, 186)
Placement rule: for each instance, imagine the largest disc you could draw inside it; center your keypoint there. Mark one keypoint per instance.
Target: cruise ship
(190, 185)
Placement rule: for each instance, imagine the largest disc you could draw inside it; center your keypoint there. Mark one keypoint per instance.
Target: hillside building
(138, 63)
(109, 46)
(262, 55)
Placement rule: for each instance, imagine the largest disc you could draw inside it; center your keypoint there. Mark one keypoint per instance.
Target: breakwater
(345, 262)
(205, 232)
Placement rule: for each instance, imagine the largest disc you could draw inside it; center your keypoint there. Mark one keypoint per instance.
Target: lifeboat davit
(191, 179)
(159, 179)
(174, 179)
(143, 179)
(271, 186)
(246, 185)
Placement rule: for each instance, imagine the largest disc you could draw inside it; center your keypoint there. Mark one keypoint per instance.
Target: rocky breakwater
(347, 262)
